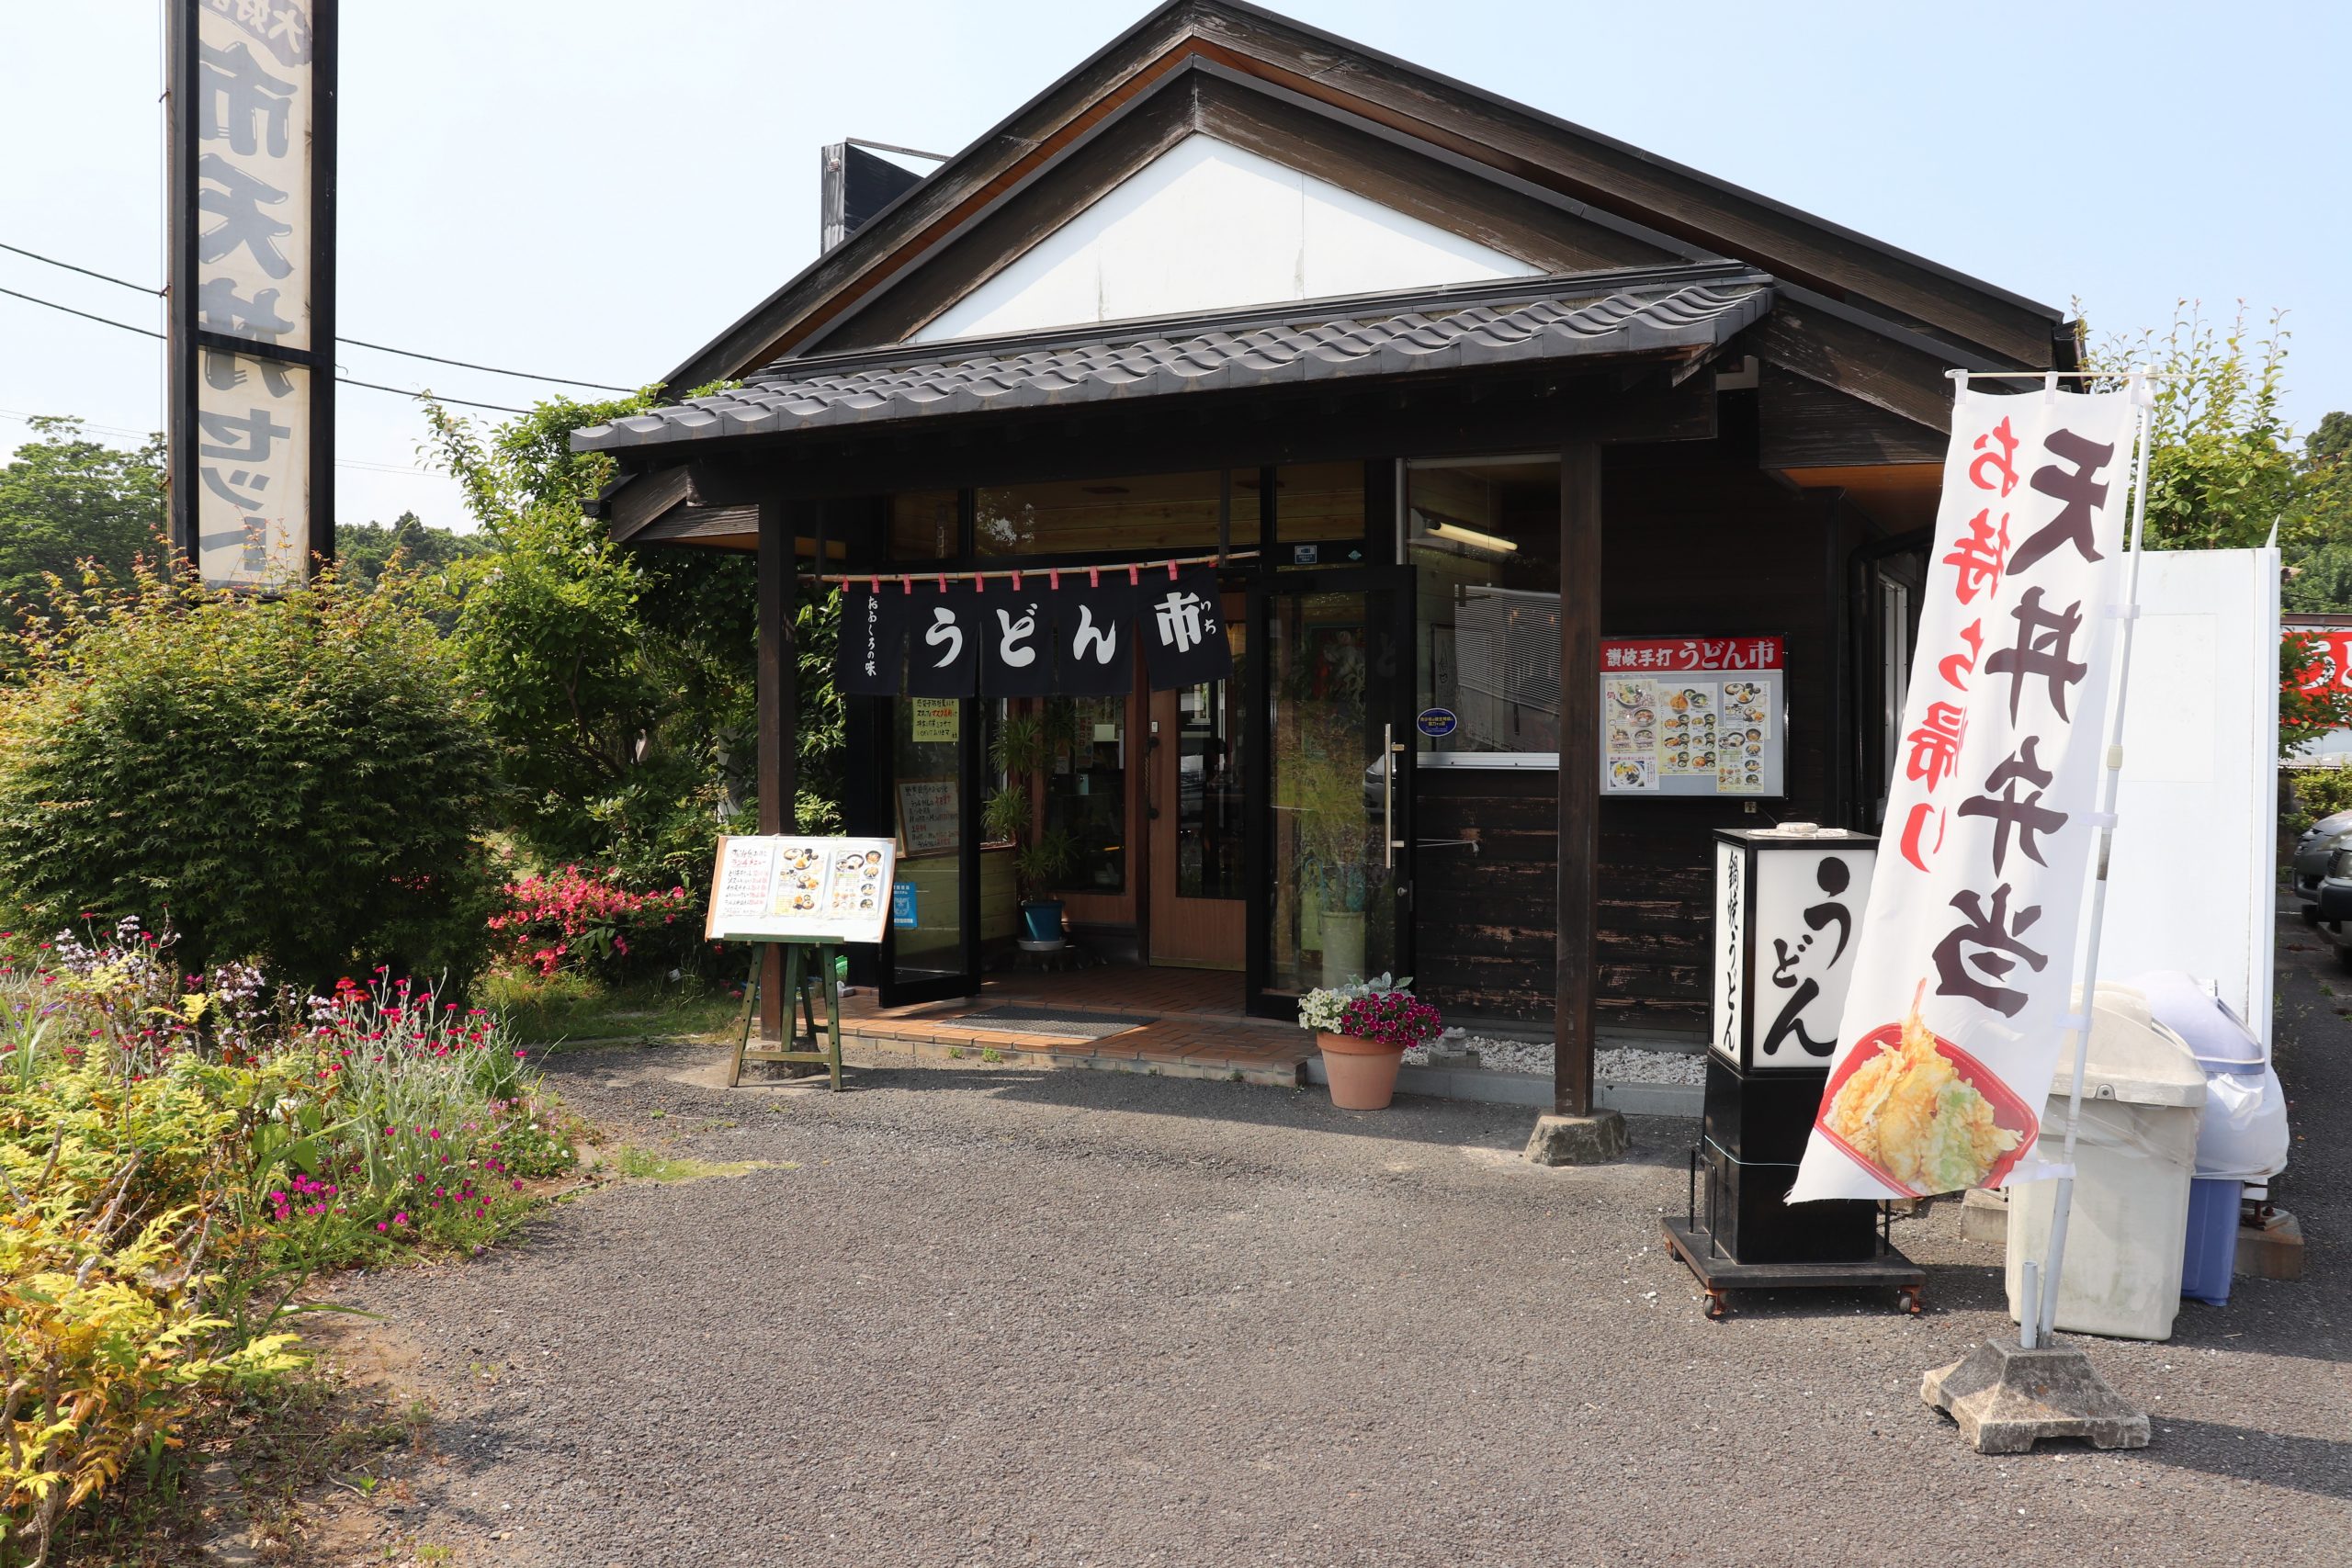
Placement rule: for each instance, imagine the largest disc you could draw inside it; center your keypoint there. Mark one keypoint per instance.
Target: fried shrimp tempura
(1907, 1112)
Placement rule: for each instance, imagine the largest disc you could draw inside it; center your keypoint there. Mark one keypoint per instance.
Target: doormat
(1075, 1023)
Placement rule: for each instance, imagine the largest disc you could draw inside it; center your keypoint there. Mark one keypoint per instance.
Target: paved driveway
(976, 1314)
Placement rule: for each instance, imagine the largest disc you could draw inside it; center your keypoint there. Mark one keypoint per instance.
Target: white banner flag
(1966, 961)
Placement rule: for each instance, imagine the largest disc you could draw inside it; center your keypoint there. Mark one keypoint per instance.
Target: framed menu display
(1685, 715)
(777, 889)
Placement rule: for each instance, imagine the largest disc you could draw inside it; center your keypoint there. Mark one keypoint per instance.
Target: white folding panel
(2192, 880)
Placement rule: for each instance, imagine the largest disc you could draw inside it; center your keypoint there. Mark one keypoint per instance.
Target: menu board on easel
(1691, 715)
(771, 889)
(931, 814)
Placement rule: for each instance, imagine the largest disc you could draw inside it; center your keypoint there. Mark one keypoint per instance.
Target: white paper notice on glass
(775, 888)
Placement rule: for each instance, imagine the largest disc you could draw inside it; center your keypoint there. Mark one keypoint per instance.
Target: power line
(346, 380)
(411, 470)
(355, 343)
(85, 272)
(492, 369)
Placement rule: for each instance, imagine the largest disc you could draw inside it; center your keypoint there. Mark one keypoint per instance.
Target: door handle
(1390, 843)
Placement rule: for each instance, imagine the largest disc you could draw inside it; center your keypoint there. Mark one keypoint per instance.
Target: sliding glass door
(1332, 668)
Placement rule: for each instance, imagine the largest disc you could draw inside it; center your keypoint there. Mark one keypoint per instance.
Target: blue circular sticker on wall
(1435, 722)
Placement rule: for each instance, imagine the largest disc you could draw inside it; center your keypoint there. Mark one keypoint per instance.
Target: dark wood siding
(1696, 540)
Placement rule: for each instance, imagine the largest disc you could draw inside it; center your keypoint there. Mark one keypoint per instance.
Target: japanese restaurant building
(1565, 505)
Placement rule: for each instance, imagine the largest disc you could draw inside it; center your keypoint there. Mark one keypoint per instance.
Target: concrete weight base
(2006, 1398)
(1576, 1140)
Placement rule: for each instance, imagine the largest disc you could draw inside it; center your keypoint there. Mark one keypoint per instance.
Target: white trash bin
(2134, 1154)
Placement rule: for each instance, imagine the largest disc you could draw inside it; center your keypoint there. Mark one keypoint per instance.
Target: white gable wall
(1208, 226)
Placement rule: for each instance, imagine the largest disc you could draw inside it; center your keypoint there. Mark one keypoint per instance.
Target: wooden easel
(801, 956)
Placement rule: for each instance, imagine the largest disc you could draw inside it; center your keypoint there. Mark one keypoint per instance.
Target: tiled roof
(1549, 320)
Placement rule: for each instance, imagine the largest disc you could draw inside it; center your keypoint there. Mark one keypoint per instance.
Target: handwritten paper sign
(931, 814)
(819, 889)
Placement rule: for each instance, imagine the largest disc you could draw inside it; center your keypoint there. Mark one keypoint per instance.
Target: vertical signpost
(251, 108)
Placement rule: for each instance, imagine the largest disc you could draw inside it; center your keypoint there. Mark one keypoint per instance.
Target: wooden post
(779, 666)
(1572, 1012)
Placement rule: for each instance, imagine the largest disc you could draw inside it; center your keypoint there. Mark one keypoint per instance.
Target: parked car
(2331, 910)
(2309, 865)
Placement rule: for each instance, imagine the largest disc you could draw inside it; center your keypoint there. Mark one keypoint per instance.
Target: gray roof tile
(1554, 320)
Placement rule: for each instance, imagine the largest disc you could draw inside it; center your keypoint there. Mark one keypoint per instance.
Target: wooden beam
(1579, 844)
(778, 665)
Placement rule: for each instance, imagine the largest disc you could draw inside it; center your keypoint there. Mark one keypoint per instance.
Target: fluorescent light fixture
(1461, 535)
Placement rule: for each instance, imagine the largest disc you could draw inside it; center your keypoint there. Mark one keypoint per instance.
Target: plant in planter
(1364, 1030)
(1024, 746)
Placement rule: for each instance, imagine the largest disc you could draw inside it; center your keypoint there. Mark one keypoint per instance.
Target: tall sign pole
(250, 111)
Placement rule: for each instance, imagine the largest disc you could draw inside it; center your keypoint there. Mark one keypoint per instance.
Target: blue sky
(592, 187)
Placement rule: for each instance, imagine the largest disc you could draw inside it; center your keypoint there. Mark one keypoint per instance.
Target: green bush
(2319, 792)
(292, 780)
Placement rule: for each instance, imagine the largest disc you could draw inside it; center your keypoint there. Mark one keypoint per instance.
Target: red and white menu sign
(1691, 715)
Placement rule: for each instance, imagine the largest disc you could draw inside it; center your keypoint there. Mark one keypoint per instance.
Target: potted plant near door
(1364, 1030)
(1042, 861)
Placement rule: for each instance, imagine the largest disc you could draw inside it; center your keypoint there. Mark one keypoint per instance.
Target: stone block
(2006, 1398)
(1596, 1139)
(1985, 1215)
(2273, 1251)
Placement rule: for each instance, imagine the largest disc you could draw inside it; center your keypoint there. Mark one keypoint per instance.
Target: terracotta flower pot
(1363, 1072)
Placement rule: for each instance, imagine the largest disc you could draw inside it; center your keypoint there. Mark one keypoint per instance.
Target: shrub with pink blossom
(588, 923)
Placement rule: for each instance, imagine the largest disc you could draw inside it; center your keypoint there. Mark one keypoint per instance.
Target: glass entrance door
(1197, 813)
(1332, 662)
(930, 947)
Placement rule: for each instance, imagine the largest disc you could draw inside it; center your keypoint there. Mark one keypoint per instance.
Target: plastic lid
(2133, 1059)
(2183, 1004)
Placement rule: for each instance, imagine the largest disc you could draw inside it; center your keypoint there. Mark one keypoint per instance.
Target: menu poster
(1691, 715)
(819, 889)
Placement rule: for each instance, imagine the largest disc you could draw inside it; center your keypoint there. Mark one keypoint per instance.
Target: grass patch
(645, 1164)
(546, 1010)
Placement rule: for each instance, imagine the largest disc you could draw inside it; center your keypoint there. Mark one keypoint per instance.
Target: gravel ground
(1610, 1064)
(974, 1315)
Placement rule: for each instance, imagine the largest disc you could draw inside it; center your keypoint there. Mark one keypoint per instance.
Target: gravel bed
(1611, 1063)
(995, 1314)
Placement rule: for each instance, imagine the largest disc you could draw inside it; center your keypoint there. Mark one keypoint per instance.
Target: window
(1317, 501)
(1076, 517)
(1482, 537)
(1086, 789)
(923, 525)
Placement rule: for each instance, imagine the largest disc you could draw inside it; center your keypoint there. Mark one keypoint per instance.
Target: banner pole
(2040, 1320)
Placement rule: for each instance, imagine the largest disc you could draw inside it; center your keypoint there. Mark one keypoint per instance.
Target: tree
(362, 549)
(2319, 566)
(619, 685)
(2224, 472)
(292, 780)
(65, 497)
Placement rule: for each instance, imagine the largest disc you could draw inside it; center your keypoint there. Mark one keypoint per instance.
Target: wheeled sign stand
(808, 965)
(1698, 1245)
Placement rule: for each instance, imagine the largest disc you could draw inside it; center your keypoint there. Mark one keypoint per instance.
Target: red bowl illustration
(2009, 1114)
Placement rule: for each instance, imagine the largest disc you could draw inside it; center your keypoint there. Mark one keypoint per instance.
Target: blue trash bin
(2210, 1256)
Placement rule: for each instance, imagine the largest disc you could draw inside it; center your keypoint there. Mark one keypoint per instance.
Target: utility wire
(492, 369)
(21, 417)
(346, 380)
(355, 343)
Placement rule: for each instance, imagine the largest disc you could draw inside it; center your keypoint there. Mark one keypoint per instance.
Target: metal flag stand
(2008, 1397)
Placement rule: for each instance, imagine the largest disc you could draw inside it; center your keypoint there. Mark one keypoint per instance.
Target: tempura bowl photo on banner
(1923, 1115)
